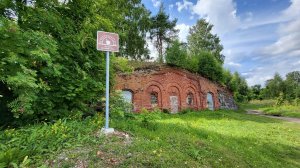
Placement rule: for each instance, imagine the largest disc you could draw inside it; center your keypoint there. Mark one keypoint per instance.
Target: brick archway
(153, 87)
(191, 89)
(174, 97)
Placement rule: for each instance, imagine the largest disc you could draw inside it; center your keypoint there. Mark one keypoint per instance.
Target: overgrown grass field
(269, 107)
(194, 139)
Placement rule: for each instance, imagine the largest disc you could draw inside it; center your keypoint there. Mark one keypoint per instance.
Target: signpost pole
(108, 42)
(107, 92)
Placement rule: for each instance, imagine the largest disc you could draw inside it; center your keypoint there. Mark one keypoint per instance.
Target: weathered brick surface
(168, 81)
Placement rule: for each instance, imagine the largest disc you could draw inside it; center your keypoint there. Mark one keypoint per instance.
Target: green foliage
(148, 117)
(176, 54)
(201, 39)
(122, 65)
(288, 89)
(30, 144)
(197, 139)
(280, 100)
(270, 107)
(256, 91)
(118, 106)
(26, 56)
(49, 66)
(297, 102)
(209, 67)
(134, 25)
(162, 31)
(274, 86)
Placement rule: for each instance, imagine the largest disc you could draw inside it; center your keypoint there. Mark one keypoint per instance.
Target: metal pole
(107, 92)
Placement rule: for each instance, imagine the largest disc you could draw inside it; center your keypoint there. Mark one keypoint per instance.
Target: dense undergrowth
(35, 143)
(190, 139)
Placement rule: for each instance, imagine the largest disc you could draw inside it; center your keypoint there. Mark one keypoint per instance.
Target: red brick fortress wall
(166, 83)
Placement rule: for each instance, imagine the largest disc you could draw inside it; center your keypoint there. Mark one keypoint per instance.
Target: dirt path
(289, 119)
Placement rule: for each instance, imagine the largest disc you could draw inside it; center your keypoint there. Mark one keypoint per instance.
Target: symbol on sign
(107, 41)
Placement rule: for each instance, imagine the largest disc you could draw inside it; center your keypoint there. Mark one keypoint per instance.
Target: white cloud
(151, 47)
(288, 43)
(293, 11)
(156, 3)
(184, 5)
(183, 31)
(259, 75)
(221, 13)
(251, 44)
(171, 6)
(234, 64)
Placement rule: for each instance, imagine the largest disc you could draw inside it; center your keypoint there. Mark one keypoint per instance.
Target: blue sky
(260, 37)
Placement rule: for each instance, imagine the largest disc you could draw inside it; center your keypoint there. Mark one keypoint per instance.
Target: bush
(118, 106)
(297, 102)
(47, 78)
(38, 141)
(147, 117)
(209, 67)
(280, 100)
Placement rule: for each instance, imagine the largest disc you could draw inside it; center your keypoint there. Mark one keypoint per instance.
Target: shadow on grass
(204, 148)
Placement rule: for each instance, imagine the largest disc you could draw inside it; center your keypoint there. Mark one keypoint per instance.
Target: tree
(292, 85)
(209, 67)
(176, 54)
(134, 26)
(201, 39)
(239, 87)
(274, 86)
(256, 91)
(162, 31)
(49, 67)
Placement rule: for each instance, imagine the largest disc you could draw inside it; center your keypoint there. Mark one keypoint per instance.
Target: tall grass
(192, 139)
(37, 142)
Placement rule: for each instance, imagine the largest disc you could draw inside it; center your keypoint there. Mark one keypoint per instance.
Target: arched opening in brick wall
(191, 100)
(127, 95)
(153, 97)
(174, 98)
(210, 101)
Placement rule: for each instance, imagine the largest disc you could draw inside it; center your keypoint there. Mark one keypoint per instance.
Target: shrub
(209, 67)
(118, 106)
(147, 117)
(297, 102)
(280, 99)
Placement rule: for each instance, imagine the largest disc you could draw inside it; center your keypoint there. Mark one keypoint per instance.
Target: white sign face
(107, 41)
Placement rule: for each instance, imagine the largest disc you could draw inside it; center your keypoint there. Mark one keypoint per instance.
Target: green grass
(194, 139)
(269, 107)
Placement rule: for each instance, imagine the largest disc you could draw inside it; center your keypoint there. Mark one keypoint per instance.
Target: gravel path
(290, 119)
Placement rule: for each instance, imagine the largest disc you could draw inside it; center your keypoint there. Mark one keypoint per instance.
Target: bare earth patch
(111, 153)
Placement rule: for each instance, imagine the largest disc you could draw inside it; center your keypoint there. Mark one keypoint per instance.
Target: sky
(260, 37)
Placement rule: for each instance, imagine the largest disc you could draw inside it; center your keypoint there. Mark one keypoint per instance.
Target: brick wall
(189, 89)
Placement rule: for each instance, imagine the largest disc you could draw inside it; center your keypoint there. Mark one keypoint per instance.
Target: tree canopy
(201, 39)
(49, 66)
(162, 31)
